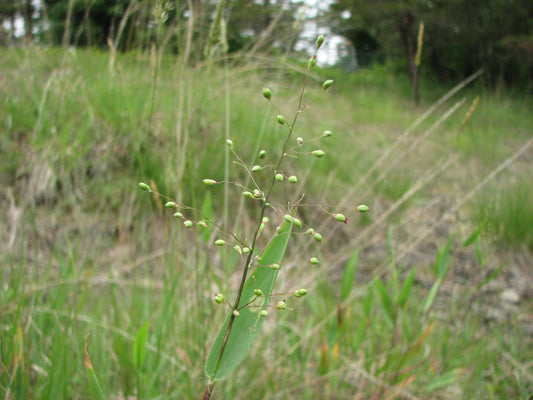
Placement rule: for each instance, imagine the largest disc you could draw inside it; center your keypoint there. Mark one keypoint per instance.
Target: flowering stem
(265, 199)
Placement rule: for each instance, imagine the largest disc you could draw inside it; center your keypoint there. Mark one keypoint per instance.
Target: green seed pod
(245, 250)
(281, 119)
(310, 231)
(257, 194)
(188, 224)
(318, 153)
(288, 218)
(178, 215)
(261, 227)
(262, 154)
(236, 313)
(362, 208)
(313, 260)
(319, 41)
(256, 168)
(279, 177)
(281, 305)
(144, 186)
(220, 242)
(258, 292)
(267, 94)
(299, 140)
(265, 220)
(275, 266)
(317, 236)
(171, 204)
(209, 182)
(237, 248)
(297, 222)
(248, 195)
(327, 84)
(202, 224)
(340, 217)
(230, 144)
(293, 179)
(219, 298)
(326, 134)
(263, 313)
(300, 293)
(311, 63)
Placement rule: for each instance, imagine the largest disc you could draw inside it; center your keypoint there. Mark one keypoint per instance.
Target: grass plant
(84, 253)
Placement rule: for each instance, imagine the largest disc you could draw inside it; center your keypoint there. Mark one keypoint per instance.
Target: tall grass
(83, 253)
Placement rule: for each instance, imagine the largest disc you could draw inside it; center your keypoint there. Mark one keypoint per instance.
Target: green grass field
(407, 302)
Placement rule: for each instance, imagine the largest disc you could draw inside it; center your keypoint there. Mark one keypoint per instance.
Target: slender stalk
(207, 394)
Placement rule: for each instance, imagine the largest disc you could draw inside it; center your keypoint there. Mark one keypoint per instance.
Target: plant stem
(256, 233)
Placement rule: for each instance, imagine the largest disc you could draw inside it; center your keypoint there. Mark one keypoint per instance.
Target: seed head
(178, 215)
(220, 242)
(256, 168)
(263, 313)
(327, 84)
(171, 204)
(288, 218)
(188, 224)
(297, 222)
(326, 134)
(262, 154)
(209, 182)
(236, 313)
(313, 260)
(219, 298)
(279, 177)
(300, 293)
(293, 179)
(299, 140)
(319, 41)
(318, 153)
(281, 119)
(248, 194)
(258, 292)
(311, 63)
(317, 236)
(340, 217)
(144, 186)
(362, 208)
(230, 144)
(267, 94)
(281, 305)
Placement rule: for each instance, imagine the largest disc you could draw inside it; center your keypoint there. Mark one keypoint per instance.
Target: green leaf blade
(247, 325)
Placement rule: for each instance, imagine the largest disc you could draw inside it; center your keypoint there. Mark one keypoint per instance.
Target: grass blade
(348, 276)
(139, 346)
(386, 302)
(94, 385)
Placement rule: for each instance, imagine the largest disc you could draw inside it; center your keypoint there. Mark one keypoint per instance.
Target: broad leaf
(245, 329)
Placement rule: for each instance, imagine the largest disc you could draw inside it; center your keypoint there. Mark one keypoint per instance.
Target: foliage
(89, 255)
(460, 37)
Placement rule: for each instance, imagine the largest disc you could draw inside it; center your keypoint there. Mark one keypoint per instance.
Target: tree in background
(10, 10)
(380, 29)
(460, 36)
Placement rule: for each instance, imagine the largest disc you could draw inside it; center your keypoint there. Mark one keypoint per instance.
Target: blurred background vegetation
(460, 37)
(428, 296)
